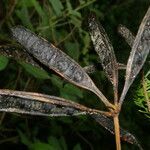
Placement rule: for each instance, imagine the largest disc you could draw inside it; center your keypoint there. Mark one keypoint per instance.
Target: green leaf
(71, 92)
(77, 147)
(57, 6)
(69, 7)
(54, 142)
(63, 143)
(75, 21)
(72, 50)
(38, 8)
(86, 40)
(24, 138)
(3, 62)
(23, 15)
(35, 71)
(42, 146)
(56, 81)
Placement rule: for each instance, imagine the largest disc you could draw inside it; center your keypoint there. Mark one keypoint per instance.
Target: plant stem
(117, 132)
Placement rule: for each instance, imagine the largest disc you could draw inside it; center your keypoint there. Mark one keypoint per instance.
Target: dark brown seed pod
(17, 53)
(104, 49)
(40, 104)
(138, 55)
(126, 34)
(45, 105)
(108, 124)
(56, 60)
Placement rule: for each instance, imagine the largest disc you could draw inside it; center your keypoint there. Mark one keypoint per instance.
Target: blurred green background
(64, 23)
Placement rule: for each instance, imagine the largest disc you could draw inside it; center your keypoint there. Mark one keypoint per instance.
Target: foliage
(63, 22)
(142, 98)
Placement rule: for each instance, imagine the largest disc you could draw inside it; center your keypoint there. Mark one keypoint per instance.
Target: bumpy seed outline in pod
(146, 35)
(46, 107)
(78, 75)
(62, 64)
(72, 71)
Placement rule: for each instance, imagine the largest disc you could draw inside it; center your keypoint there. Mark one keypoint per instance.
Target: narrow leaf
(57, 6)
(35, 71)
(40, 104)
(126, 34)
(138, 55)
(104, 49)
(3, 62)
(56, 60)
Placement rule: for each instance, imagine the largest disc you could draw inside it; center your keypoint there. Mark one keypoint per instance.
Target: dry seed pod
(45, 105)
(108, 124)
(104, 49)
(126, 34)
(138, 55)
(40, 104)
(90, 69)
(56, 60)
(17, 54)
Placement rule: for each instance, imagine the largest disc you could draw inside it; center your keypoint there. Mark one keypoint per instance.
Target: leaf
(71, 92)
(72, 50)
(104, 50)
(3, 62)
(35, 71)
(126, 34)
(56, 60)
(24, 139)
(138, 55)
(38, 8)
(77, 147)
(40, 104)
(57, 6)
(54, 142)
(37, 145)
(63, 143)
(23, 15)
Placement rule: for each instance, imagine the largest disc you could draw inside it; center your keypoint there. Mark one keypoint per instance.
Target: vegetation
(64, 23)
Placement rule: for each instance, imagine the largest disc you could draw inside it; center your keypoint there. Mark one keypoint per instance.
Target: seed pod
(108, 124)
(126, 34)
(17, 53)
(138, 55)
(40, 104)
(56, 60)
(45, 105)
(104, 50)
